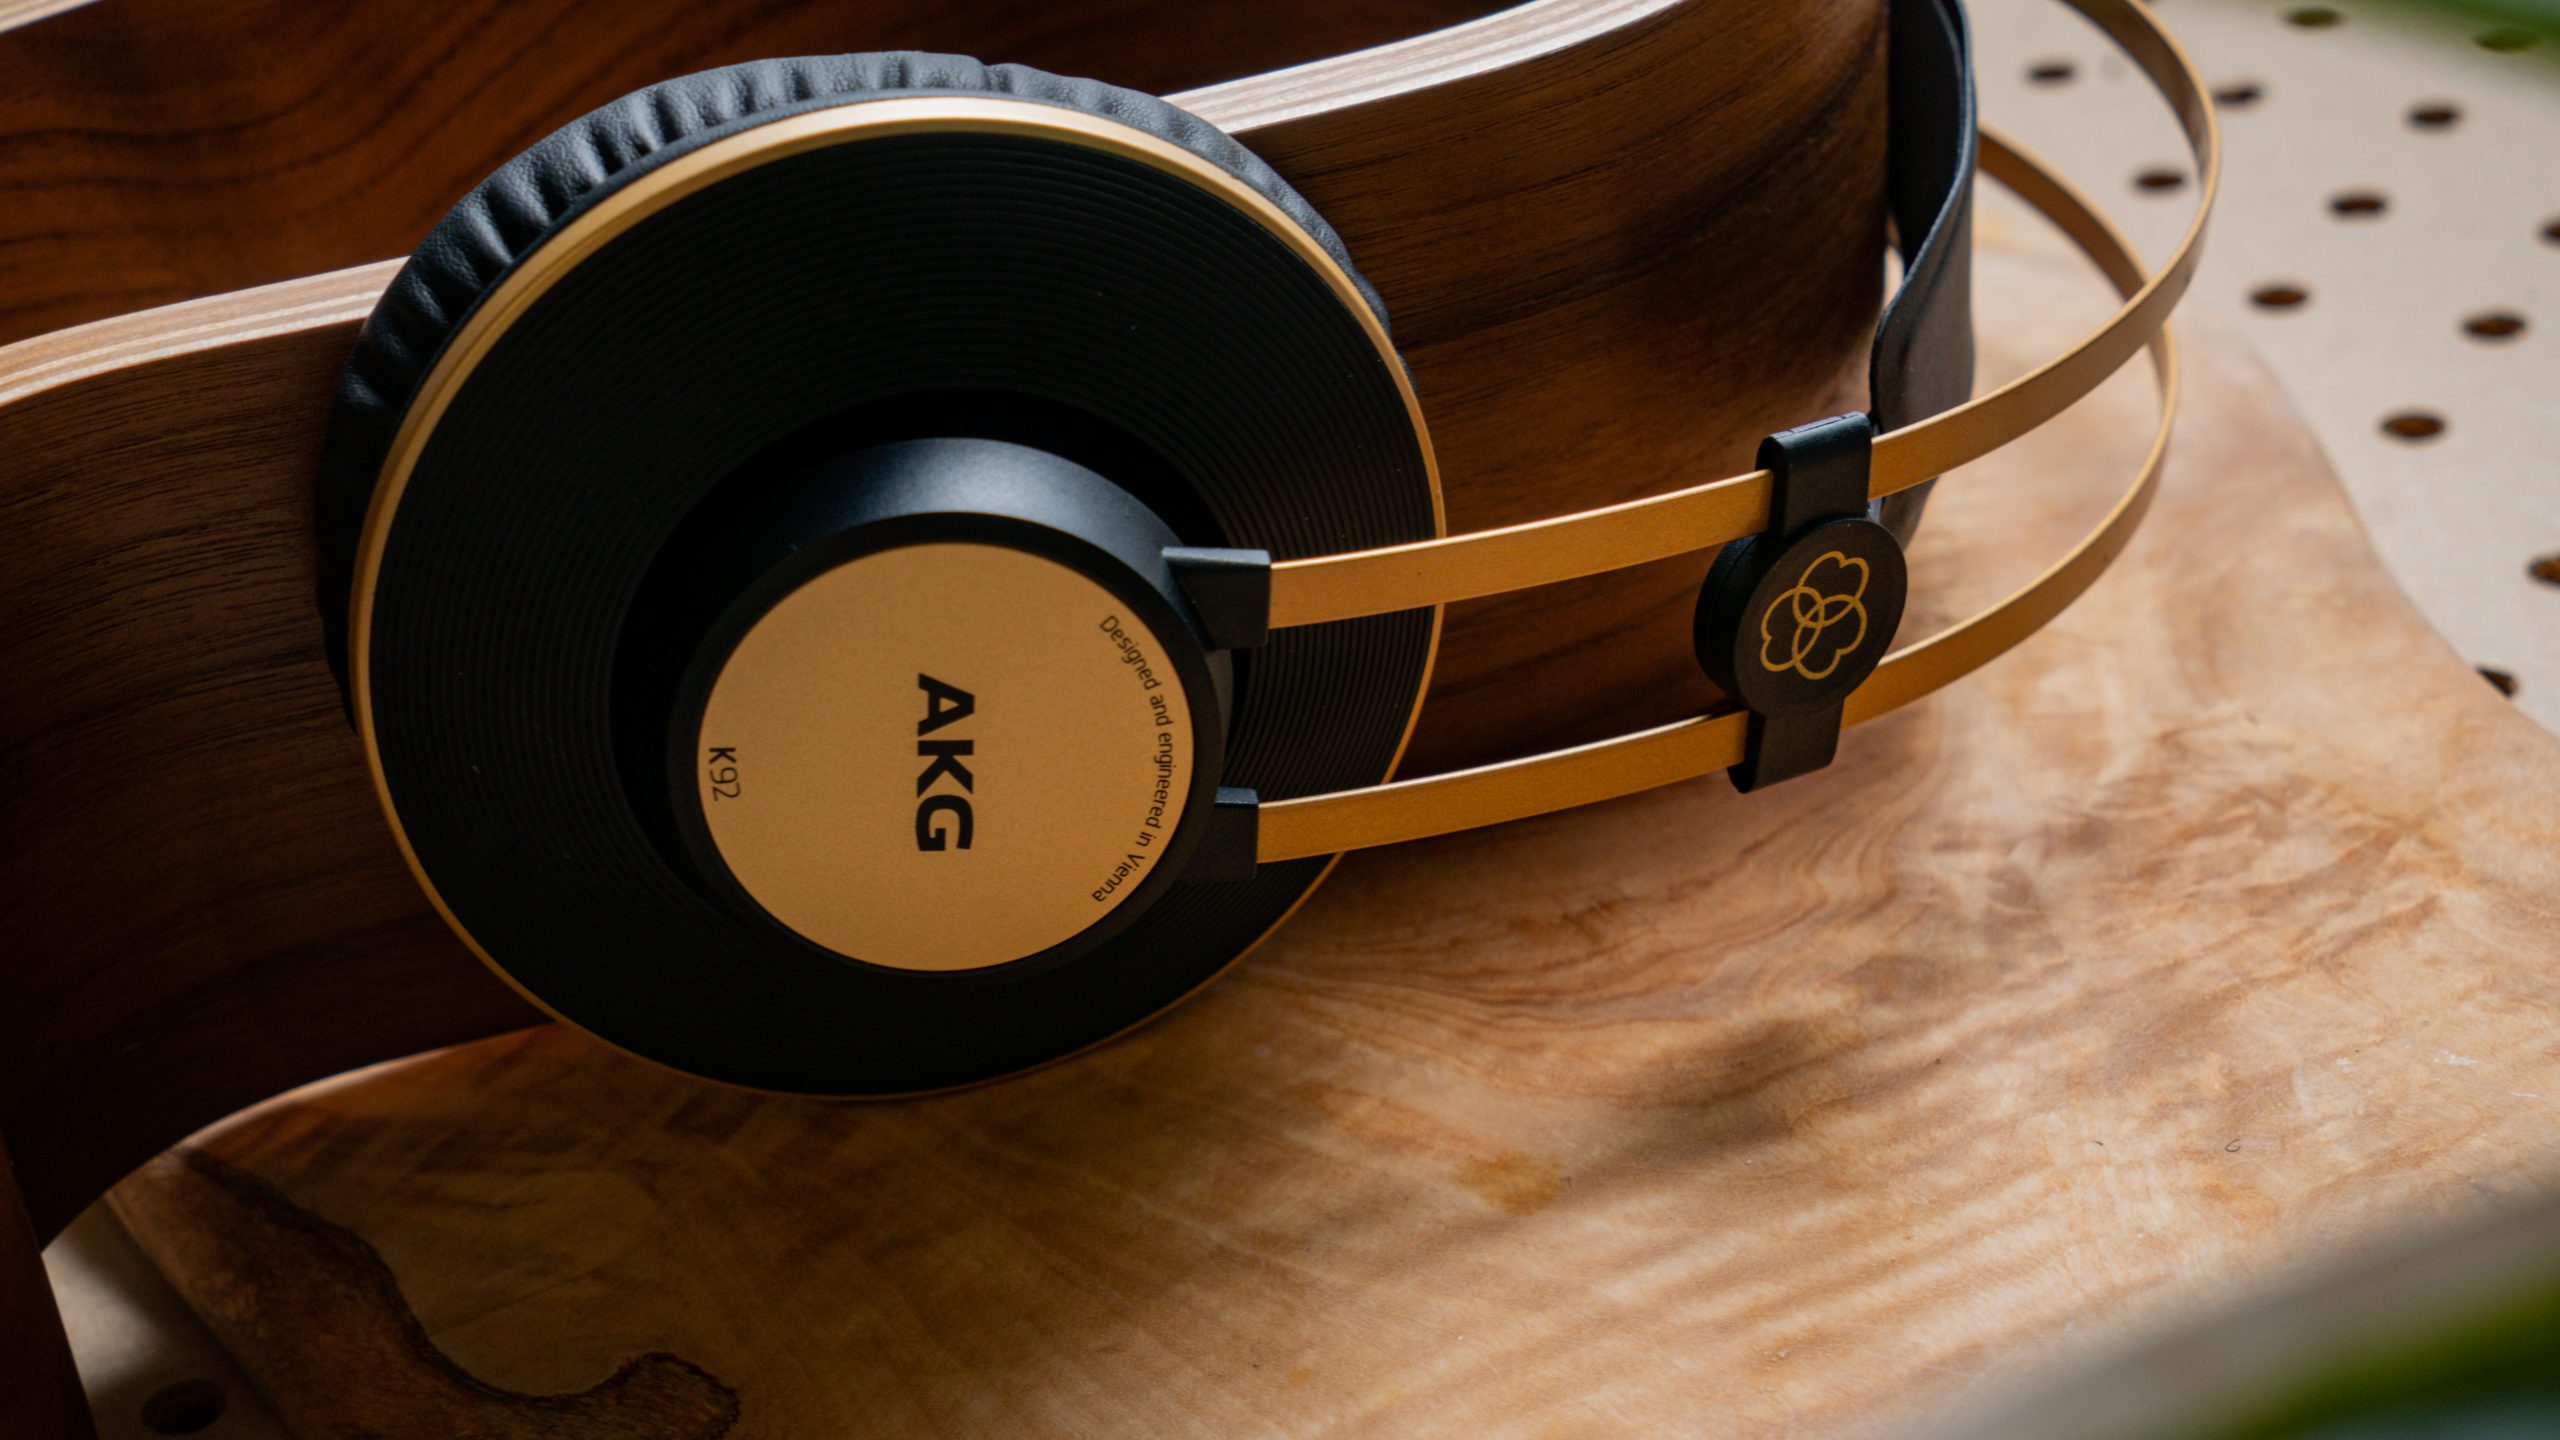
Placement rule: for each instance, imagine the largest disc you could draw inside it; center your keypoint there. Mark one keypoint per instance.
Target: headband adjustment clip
(1230, 590)
(1794, 618)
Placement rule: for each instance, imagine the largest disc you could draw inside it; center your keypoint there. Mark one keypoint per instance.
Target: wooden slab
(2209, 931)
(1567, 205)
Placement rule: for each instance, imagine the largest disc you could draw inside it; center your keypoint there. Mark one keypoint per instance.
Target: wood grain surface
(1676, 268)
(2209, 932)
(1598, 301)
(1570, 206)
(163, 150)
(214, 1219)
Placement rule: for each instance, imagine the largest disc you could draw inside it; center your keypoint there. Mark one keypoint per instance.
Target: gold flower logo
(1812, 626)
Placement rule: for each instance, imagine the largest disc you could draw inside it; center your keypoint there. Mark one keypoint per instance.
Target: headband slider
(1794, 618)
(1227, 844)
(1230, 590)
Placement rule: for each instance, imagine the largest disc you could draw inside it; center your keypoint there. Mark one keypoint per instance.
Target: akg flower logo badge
(1819, 621)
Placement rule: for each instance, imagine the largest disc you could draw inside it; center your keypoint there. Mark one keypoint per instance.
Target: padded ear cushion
(515, 209)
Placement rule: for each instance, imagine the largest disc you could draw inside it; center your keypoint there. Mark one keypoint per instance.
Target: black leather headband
(1923, 357)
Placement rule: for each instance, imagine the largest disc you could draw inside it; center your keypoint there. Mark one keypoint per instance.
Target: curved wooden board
(2206, 932)
(157, 470)
(1571, 205)
(164, 150)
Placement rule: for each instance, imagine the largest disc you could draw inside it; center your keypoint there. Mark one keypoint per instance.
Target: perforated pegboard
(2389, 234)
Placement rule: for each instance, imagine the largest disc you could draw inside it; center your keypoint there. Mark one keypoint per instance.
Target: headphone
(861, 575)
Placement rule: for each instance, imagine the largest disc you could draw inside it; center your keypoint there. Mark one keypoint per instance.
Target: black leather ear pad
(515, 209)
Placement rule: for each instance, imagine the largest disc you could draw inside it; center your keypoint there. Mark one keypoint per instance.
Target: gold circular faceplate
(944, 756)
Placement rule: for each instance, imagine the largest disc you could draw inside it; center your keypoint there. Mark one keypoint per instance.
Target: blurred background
(2389, 235)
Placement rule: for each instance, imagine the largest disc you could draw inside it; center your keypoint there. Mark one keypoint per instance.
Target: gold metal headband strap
(1686, 749)
(1679, 522)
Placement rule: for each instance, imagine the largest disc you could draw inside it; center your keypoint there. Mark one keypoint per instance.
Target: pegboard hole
(2359, 204)
(2494, 325)
(2435, 115)
(2507, 40)
(184, 1408)
(2279, 295)
(2313, 17)
(2159, 180)
(2545, 568)
(2239, 94)
(2505, 680)
(2413, 425)
(2551, 231)
(2052, 72)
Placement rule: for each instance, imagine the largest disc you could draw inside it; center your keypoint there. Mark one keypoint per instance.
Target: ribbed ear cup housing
(529, 197)
(836, 292)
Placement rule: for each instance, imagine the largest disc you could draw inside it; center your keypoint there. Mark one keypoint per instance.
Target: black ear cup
(529, 197)
(632, 335)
